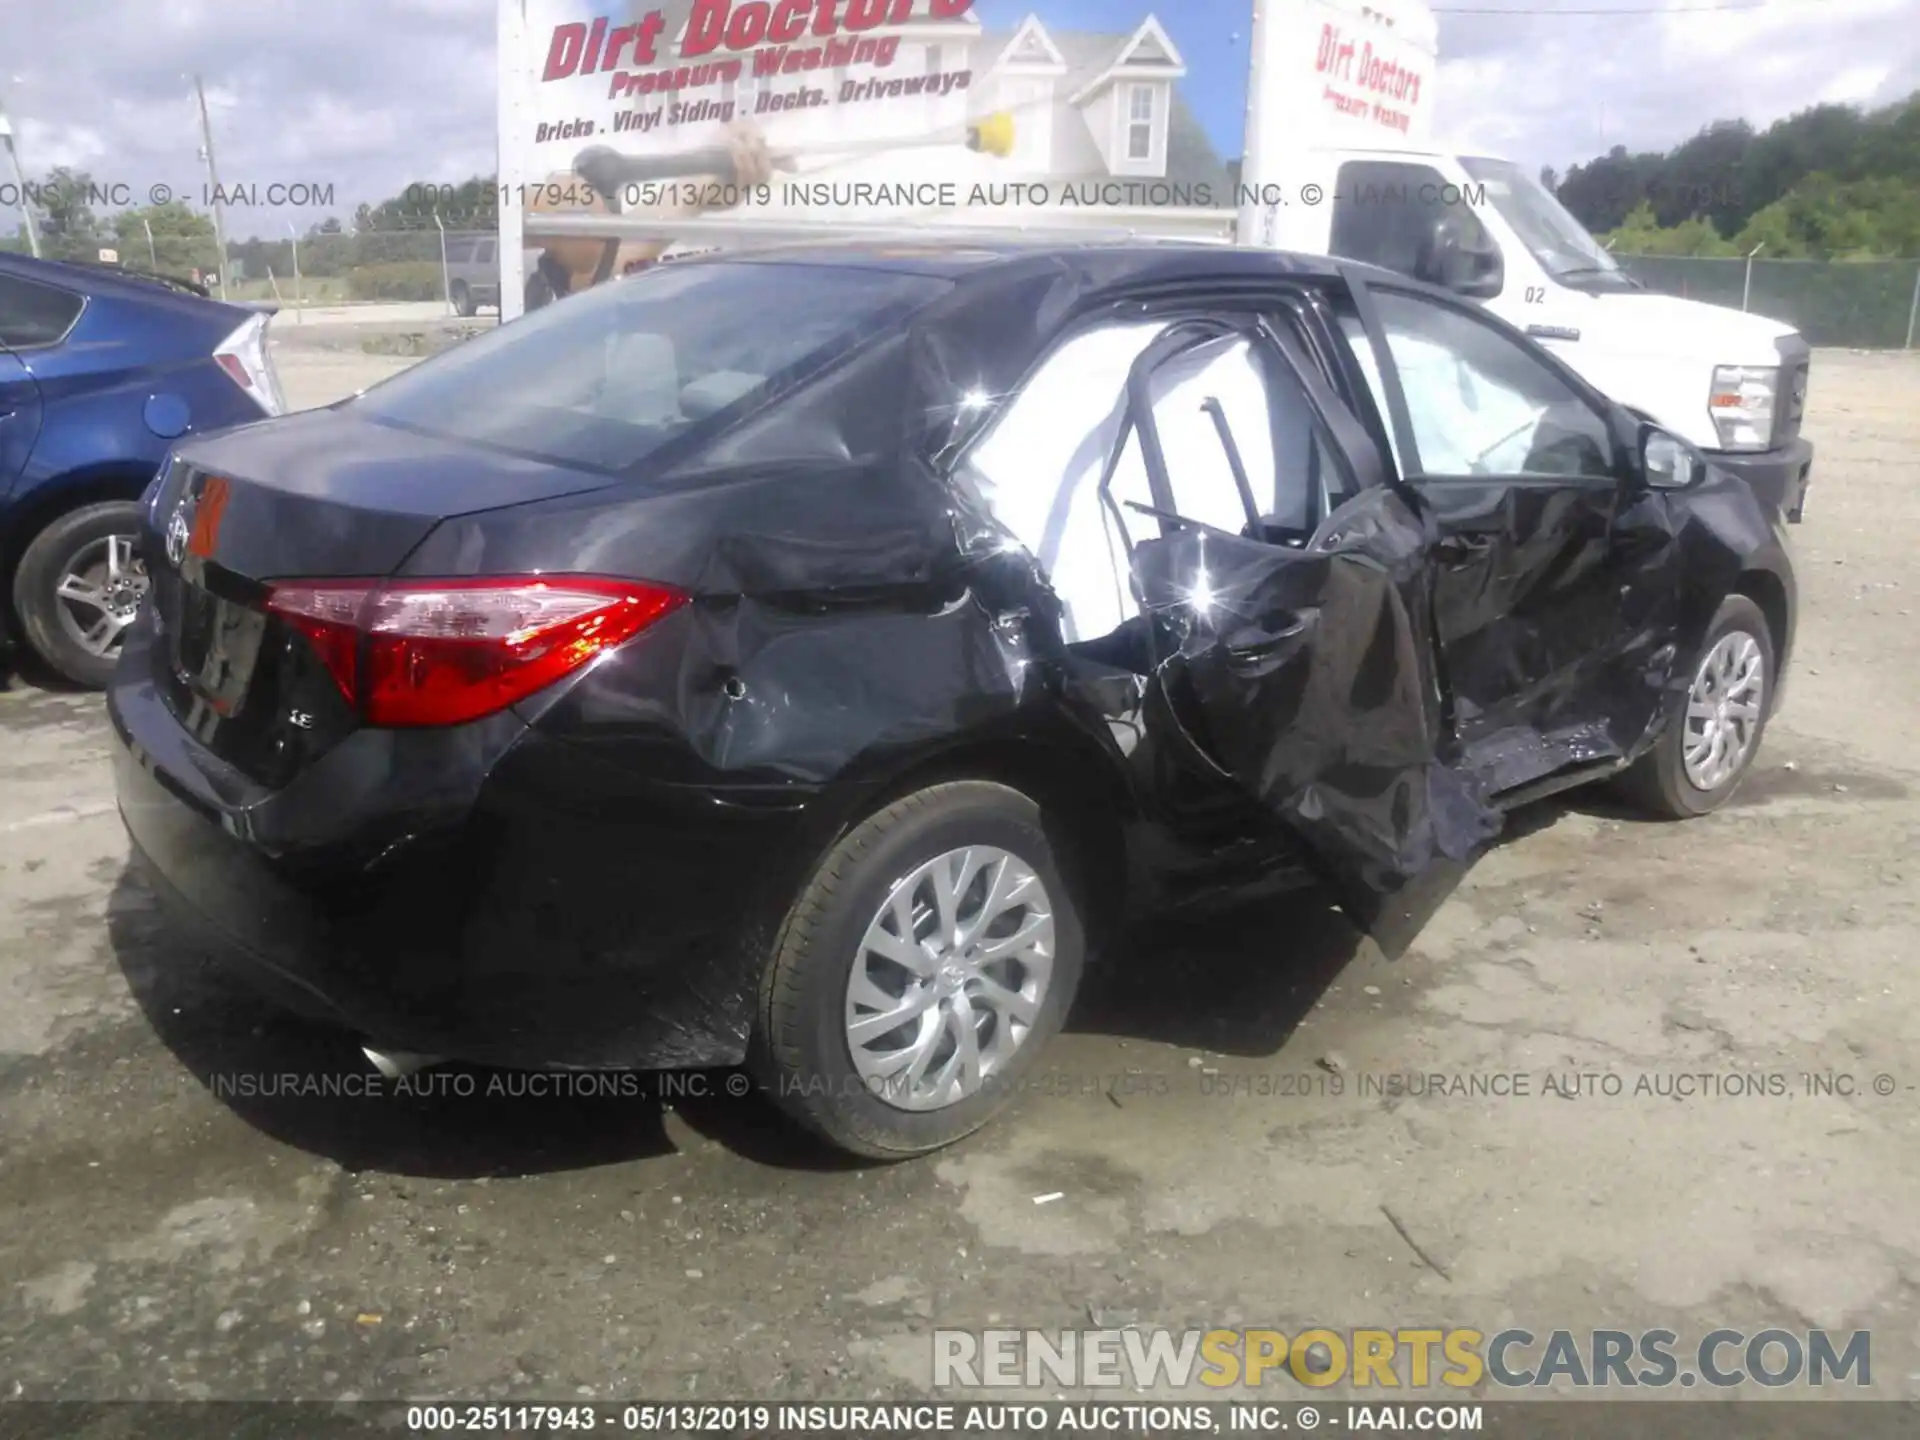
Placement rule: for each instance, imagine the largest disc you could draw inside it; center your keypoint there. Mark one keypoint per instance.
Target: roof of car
(954, 257)
(97, 279)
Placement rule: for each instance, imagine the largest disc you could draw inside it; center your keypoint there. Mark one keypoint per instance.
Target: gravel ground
(164, 1236)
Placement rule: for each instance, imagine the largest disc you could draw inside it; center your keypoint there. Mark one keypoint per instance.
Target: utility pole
(446, 282)
(1913, 315)
(19, 179)
(213, 180)
(299, 299)
(1746, 294)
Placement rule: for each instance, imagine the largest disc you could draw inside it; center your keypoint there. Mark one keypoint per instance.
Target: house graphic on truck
(1101, 106)
(1088, 108)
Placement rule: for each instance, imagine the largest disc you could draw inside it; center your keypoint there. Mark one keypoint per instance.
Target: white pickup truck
(1339, 162)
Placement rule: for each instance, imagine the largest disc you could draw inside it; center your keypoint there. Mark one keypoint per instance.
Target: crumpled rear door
(1300, 666)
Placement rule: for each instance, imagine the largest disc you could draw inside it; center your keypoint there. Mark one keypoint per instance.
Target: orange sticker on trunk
(207, 517)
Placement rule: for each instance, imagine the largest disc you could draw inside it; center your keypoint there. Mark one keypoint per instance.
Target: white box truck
(1337, 160)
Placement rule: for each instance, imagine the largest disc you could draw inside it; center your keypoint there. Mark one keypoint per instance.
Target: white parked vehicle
(1339, 161)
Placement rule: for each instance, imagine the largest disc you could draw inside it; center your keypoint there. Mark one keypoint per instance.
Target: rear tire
(805, 1046)
(1663, 781)
(463, 305)
(92, 545)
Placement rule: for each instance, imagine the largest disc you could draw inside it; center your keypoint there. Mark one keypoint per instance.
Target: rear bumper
(484, 894)
(1778, 478)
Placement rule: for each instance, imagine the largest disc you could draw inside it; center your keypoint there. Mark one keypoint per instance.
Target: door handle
(1466, 547)
(1254, 650)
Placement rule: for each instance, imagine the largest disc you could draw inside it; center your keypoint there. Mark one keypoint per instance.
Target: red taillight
(244, 358)
(235, 370)
(443, 652)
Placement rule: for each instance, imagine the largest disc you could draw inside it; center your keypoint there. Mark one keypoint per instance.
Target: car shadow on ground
(25, 674)
(1236, 978)
(309, 1085)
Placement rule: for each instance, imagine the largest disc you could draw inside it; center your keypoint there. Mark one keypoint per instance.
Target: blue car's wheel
(77, 589)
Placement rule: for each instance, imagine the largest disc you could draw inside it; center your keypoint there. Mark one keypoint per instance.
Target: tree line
(1834, 182)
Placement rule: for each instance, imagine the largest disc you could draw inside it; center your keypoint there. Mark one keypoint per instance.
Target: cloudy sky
(367, 95)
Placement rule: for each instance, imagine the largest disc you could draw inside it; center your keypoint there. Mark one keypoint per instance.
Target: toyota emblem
(178, 529)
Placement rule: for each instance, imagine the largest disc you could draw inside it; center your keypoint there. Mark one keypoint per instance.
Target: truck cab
(1340, 161)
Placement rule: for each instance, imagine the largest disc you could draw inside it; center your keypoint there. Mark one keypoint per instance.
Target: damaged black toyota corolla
(782, 659)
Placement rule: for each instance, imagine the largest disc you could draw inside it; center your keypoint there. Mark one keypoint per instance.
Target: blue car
(101, 371)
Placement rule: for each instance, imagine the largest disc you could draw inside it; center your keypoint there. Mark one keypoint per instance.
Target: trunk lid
(322, 495)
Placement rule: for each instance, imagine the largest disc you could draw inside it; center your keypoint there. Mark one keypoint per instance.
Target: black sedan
(791, 659)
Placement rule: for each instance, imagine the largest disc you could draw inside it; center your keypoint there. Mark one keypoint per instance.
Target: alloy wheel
(100, 593)
(1724, 711)
(950, 977)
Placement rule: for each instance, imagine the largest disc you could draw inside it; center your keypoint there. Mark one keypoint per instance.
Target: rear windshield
(605, 378)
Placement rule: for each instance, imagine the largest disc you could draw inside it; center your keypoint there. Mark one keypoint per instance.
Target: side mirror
(1668, 462)
(1460, 256)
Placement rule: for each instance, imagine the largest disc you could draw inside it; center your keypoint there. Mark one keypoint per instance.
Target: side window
(1187, 394)
(1482, 403)
(459, 252)
(483, 252)
(1389, 213)
(1235, 391)
(1038, 471)
(33, 314)
(1311, 480)
(1356, 336)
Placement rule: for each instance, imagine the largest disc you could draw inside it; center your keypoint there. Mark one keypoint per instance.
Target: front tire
(78, 587)
(930, 959)
(463, 305)
(1710, 742)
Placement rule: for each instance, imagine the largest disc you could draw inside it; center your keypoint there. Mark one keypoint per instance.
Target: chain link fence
(1865, 305)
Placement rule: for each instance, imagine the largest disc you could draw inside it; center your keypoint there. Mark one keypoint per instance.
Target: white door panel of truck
(1340, 160)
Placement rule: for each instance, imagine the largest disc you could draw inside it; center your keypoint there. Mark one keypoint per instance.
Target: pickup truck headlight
(1742, 405)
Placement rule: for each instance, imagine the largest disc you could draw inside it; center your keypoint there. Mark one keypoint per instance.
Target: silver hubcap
(950, 978)
(1723, 711)
(101, 593)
